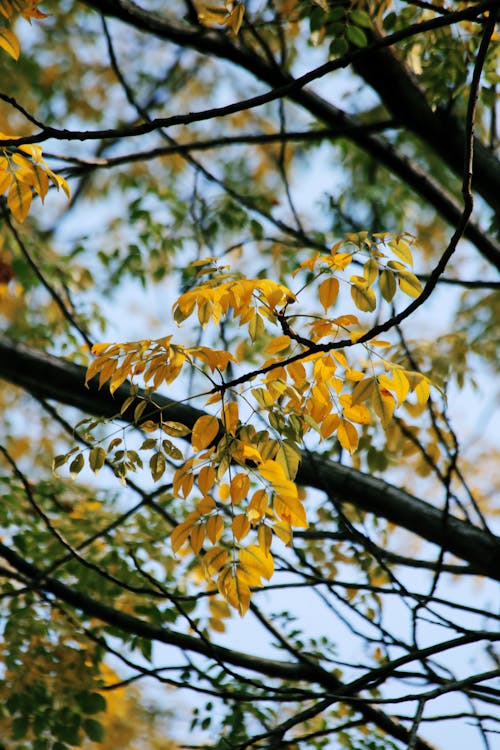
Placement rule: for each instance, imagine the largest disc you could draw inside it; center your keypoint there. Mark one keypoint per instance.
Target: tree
(281, 455)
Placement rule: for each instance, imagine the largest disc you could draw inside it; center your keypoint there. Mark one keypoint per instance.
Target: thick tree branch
(406, 101)
(46, 376)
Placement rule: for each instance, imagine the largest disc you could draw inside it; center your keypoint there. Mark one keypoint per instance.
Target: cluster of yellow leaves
(246, 299)
(240, 482)
(230, 14)
(9, 11)
(324, 393)
(156, 361)
(389, 274)
(228, 505)
(22, 171)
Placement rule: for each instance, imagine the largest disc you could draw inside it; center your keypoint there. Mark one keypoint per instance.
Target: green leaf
(360, 18)
(157, 464)
(91, 703)
(387, 285)
(172, 450)
(94, 730)
(76, 465)
(356, 36)
(97, 457)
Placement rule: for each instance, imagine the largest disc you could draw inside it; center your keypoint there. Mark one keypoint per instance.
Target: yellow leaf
(211, 14)
(240, 526)
(255, 557)
(265, 536)
(119, 377)
(380, 343)
(263, 397)
(206, 505)
(213, 399)
(187, 484)
(235, 590)
(215, 527)
(278, 345)
(283, 531)
(357, 413)
(175, 429)
(341, 359)
(355, 375)
(99, 349)
(387, 285)
(258, 506)
(236, 18)
(216, 359)
(383, 404)
(362, 390)
(229, 417)
(363, 297)
(206, 479)
(346, 320)
(290, 509)
(238, 489)
(10, 43)
(329, 425)
(107, 371)
(205, 430)
(422, 391)
(256, 327)
(401, 384)
(288, 457)
(181, 533)
(178, 480)
(274, 473)
(19, 199)
(197, 537)
(5, 180)
(59, 182)
(402, 250)
(245, 453)
(339, 261)
(214, 560)
(370, 271)
(328, 292)
(409, 284)
(348, 436)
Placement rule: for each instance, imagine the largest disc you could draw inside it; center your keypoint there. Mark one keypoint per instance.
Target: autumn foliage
(250, 313)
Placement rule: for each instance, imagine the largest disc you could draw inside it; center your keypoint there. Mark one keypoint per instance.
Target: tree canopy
(249, 295)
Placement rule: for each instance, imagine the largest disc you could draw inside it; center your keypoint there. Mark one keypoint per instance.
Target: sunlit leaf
(10, 43)
(278, 344)
(347, 436)
(291, 510)
(363, 296)
(409, 284)
(240, 526)
(328, 292)
(238, 488)
(205, 430)
(383, 403)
